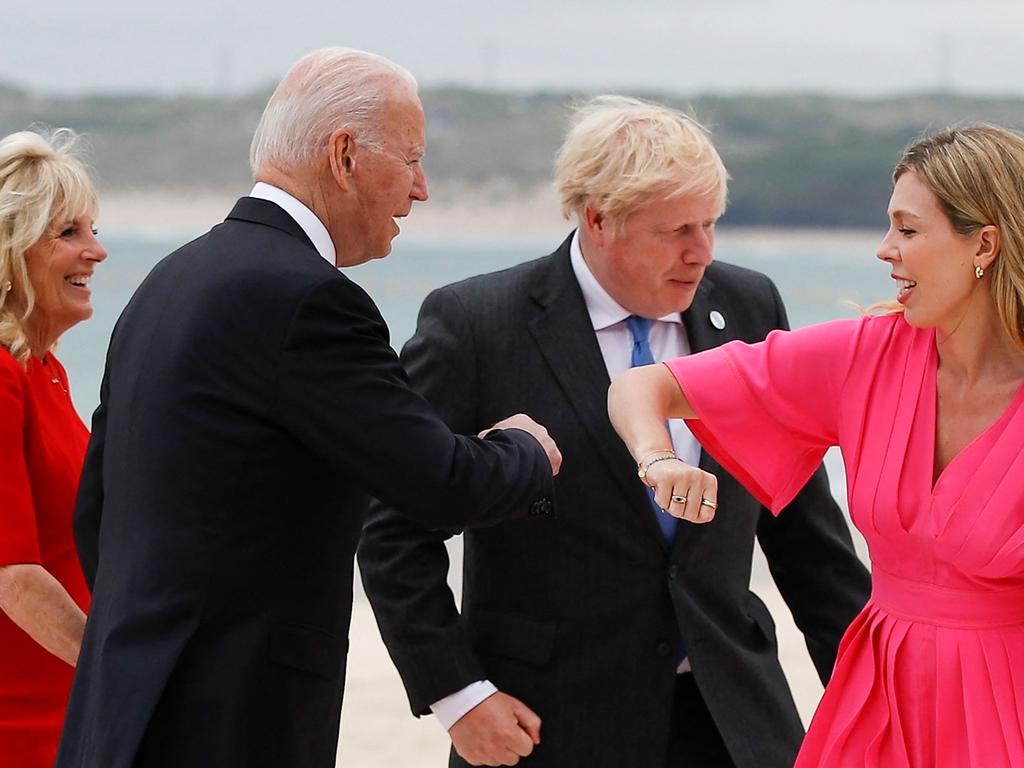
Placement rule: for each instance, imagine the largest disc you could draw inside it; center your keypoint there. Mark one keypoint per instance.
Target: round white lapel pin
(717, 319)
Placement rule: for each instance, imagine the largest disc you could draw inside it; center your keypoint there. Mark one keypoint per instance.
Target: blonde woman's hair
(977, 173)
(43, 183)
(620, 151)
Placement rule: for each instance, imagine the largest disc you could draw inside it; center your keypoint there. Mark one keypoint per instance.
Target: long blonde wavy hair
(977, 173)
(42, 181)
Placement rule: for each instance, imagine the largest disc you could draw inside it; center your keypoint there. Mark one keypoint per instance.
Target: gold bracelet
(655, 453)
(642, 469)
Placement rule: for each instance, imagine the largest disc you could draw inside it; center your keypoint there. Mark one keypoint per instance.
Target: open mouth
(78, 281)
(905, 287)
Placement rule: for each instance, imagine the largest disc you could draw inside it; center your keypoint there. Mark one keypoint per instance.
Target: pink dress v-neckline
(930, 406)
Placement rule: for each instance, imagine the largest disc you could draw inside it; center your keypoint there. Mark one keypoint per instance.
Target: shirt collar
(305, 218)
(604, 311)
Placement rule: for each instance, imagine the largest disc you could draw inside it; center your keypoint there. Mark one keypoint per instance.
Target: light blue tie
(640, 327)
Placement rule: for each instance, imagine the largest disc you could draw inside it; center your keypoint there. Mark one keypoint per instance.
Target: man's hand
(525, 423)
(497, 731)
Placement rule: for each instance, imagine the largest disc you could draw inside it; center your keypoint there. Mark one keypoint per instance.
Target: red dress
(42, 446)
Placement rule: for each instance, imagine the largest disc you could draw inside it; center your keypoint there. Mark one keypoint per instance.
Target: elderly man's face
(653, 267)
(389, 178)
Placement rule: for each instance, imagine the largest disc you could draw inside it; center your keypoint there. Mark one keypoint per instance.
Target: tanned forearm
(639, 402)
(36, 602)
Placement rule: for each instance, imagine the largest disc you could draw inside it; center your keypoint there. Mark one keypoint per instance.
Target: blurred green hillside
(795, 160)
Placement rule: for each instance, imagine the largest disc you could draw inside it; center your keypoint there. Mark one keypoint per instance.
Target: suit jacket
(250, 404)
(575, 613)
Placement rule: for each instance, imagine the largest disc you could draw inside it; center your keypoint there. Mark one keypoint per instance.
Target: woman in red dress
(48, 251)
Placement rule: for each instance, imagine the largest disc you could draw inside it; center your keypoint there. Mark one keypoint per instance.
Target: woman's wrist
(647, 455)
(650, 458)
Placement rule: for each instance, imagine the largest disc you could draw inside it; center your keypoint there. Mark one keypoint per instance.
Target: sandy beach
(492, 212)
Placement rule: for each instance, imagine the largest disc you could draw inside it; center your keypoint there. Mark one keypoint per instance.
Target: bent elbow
(12, 583)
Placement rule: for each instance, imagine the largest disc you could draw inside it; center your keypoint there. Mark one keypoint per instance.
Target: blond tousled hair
(43, 182)
(621, 151)
(977, 173)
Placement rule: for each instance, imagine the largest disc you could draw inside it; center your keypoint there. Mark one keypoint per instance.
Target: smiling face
(654, 265)
(932, 264)
(388, 179)
(60, 265)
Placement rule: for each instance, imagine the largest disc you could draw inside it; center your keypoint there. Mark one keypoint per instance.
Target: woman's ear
(988, 246)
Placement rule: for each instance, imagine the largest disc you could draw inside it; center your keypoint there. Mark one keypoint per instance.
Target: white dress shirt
(667, 340)
(305, 218)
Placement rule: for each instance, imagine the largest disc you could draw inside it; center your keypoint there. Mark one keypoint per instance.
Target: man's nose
(419, 186)
(700, 249)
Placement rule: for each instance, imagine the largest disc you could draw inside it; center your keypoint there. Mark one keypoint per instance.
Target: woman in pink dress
(927, 405)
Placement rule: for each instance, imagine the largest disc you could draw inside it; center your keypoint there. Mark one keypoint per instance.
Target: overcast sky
(679, 46)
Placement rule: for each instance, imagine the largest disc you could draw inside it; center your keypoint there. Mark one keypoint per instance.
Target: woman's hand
(682, 490)
(639, 402)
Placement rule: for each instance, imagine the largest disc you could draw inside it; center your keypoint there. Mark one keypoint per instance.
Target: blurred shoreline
(453, 214)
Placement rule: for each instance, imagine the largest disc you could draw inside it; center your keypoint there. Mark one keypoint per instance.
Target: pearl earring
(7, 287)
(979, 272)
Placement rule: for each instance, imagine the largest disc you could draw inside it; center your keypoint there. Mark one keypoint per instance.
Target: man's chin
(680, 301)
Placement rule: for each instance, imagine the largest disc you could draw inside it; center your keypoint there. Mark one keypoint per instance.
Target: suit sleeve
(405, 567)
(813, 562)
(344, 394)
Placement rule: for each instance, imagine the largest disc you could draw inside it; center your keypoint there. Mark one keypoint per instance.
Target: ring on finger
(708, 503)
(678, 499)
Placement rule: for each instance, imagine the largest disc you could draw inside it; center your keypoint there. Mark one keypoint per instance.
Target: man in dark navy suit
(634, 638)
(251, 404)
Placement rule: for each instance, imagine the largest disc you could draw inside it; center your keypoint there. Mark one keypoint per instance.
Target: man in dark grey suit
(251, 404)
(633, 637)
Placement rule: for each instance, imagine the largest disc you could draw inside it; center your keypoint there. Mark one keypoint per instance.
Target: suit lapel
(700, 331)
(562, 329)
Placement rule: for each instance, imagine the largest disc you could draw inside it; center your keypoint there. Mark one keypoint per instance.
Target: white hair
(325, 90)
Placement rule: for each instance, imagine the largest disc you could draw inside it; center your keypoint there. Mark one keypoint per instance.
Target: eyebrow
(904, 214)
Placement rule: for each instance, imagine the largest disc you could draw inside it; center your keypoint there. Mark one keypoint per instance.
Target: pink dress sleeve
(768, 412)
(19, 538)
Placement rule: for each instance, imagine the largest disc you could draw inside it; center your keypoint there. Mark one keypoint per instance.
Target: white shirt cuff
(450, 709)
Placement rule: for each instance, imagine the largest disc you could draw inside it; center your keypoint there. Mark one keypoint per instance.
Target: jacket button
(673, 572)
(540, 507)
(664, 649)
